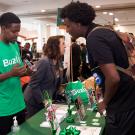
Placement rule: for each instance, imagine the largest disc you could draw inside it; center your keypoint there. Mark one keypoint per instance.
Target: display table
(32, 125)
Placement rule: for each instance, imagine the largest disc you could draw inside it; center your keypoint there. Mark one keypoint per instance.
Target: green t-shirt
(76, 89)
(11, 96)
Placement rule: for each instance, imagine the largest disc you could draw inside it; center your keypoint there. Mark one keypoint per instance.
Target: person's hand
(29, 71)
(101, 107)
(18, 71)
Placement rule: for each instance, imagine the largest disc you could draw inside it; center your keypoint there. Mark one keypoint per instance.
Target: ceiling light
(105, 13)
(43, 10)
(111, 13)
(98, 6)
(116, 19)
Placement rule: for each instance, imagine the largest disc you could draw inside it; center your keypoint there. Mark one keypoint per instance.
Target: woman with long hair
(45, 78)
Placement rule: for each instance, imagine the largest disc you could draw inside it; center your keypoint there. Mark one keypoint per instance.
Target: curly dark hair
(78, 12)
(52, 49)
(7, 18)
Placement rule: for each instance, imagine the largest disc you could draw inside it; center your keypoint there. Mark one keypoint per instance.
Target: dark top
(83, 54)
(26, 54)
(43, 79)
(105, 47)
(76, 55)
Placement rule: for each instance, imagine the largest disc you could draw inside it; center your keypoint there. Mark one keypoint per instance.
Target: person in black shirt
(85, 71)
(83, 52)
(105, 50)
(26, 53)
(76, 59)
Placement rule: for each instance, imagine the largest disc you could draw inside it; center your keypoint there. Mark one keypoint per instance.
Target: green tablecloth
(32, 125)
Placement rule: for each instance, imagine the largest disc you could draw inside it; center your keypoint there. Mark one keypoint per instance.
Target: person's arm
(36, 79)
(28, 72)
(111, 84)
(101, 51)
(5, 76)
(16, 71)
(112, 79)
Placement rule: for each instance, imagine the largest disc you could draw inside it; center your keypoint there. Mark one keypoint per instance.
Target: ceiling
(31, 10)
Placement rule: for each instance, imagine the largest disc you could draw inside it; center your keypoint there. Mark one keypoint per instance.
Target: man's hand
(18, 71)
(101, 107)
(29, 71)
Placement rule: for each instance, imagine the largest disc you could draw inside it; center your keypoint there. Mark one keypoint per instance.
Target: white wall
(28, 30)
(28, 33)
(129, 29)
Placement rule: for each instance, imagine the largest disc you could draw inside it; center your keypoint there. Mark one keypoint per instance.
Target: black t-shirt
(83, 54)
(76, 55)
(26, 54)
(105, 47)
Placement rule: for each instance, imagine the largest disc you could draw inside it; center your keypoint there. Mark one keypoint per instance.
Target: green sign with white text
(59, 19)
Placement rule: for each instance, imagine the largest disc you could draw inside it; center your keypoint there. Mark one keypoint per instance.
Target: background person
(46, 76)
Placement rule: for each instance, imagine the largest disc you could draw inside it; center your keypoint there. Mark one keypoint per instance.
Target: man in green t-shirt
(11, 69)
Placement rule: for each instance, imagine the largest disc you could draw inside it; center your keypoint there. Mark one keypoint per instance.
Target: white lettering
(77, 91)
(5, 62)
(18, 58)
(12, 61)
